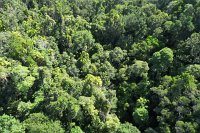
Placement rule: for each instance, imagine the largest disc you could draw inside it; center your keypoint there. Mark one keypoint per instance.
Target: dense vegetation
(99, 66)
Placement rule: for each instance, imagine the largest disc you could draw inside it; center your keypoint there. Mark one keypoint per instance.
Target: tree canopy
(99, 66)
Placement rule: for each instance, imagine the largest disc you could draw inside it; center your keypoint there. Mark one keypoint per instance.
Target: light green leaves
(8, 124)
(141, 114)
(22, 78)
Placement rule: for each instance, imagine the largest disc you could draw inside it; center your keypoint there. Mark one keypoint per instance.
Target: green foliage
(112, 123)
(76, 129)
(10, 124)
(22, 79)
(82, 41)
(162, 60)
(145, 48)
(141, 116)
(177, 94)
(84, 62)
(99, 66)
(64, 106)
(117, 56)
(193, 70)
(106, 72)
(182, 127)
(187, 51)
(39, 123)
(141, 102)
(127, 128)
(1, 25)
(138, 69)
(135, 24)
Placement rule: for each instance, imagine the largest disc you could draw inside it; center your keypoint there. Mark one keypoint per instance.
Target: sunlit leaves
(127, 128)
(10, 124)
